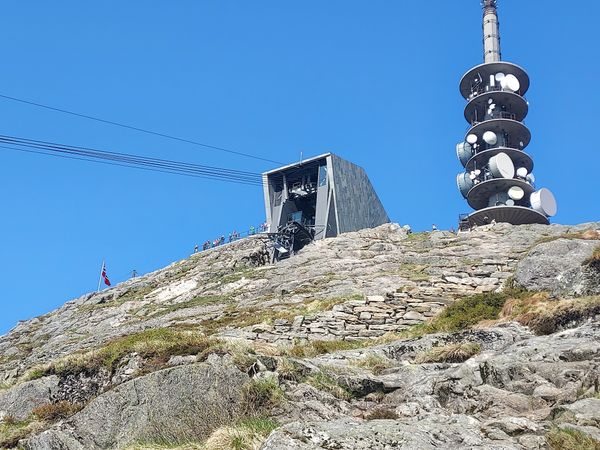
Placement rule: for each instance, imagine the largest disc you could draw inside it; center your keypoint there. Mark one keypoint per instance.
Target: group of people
(233, 236)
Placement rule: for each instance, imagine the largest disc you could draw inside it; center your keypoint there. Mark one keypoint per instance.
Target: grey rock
(205, 395)
(558, 267)
(19, 401)
(457, 432)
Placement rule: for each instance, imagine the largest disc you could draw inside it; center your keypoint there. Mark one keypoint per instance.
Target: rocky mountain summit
(373, 340)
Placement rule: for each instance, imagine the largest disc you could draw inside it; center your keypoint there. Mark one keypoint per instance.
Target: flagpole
(100, 278)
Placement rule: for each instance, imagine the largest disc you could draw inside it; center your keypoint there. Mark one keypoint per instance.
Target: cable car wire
(134, 128)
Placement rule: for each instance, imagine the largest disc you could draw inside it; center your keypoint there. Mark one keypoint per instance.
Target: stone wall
(356, 319)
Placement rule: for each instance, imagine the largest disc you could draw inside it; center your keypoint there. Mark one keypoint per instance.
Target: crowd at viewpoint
(233, 236)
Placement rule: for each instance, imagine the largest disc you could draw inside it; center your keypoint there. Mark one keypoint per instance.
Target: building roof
(297, 164)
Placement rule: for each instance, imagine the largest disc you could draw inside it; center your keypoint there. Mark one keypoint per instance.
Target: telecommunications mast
(498, 181)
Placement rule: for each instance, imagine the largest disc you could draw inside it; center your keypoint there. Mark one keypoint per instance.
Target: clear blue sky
(375, 82)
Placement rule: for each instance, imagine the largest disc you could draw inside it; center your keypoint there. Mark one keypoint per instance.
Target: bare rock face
(188, 400)
(450, 432)
(559, 267)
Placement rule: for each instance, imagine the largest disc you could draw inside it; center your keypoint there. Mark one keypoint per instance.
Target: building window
(322, 176)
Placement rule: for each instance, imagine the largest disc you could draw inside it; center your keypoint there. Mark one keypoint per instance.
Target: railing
(478, 90)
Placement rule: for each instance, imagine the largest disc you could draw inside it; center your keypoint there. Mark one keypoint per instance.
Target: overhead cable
(130, 160)
(134, 128)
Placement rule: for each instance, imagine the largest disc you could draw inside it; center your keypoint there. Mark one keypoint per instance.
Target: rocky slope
(375, 339)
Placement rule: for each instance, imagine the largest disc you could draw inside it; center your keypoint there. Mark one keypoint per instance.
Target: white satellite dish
(493, 106)
(464, 152)
(490, 137)
(472, 175)
(543, 201)
(490, 101)
(477, 172)
(512, 83)
(522, 172)
(531, 178)
(465, 183)
(516, 193)
(502, 166)
(471, 139)
(510, 202)
(499, 76)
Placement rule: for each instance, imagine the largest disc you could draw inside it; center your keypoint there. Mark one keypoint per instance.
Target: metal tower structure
(498, 181)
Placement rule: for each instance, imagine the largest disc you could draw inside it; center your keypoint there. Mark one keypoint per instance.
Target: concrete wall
(358, 205)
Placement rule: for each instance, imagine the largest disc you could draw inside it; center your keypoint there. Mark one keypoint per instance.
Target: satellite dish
(490, 101)
(472, 175)
(464, 152)
(512, 83)
(490, 138)
(500, 76)
(522, 172)
(477, 172)
(465, 183)
(543, 201)
(510, 202)
(531, 178)
(471, 139)
(502, 166)
(516, 193)
(493, 106)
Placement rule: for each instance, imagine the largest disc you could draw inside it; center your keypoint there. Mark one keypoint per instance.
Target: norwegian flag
(104, 276)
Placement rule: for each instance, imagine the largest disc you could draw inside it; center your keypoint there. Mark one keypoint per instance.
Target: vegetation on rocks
(375, 363)
(545, 315)
(156, 345)
(570, 439)
(451, 353)
(12, 431)
(325, 382)
(260, 396)
(594, 260)
(53, 412)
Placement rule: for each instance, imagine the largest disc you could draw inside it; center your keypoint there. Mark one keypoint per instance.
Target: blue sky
(375, 82)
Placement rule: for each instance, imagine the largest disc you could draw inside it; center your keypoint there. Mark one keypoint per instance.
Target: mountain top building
(318, 198)
(498, 181)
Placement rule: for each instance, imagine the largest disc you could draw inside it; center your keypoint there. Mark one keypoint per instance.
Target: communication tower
(498, 180)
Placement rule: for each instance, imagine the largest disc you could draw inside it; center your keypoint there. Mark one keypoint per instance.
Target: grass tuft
(381, 414)
(311, 349)
(261, 395)
(156, 346)
(375, 363)
(53, 412)
(570, 439)
(452, 353)
(325, 382)
(546, 316)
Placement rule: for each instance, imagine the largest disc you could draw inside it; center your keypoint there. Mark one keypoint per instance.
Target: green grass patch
(311, 349)
(375, 363)
(546, 316)
(570, 439)
(451, 353)
(156, 345)
(325, 382)
(260, 396)
(12, 431)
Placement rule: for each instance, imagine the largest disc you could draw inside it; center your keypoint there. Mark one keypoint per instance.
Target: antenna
(491, 32)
